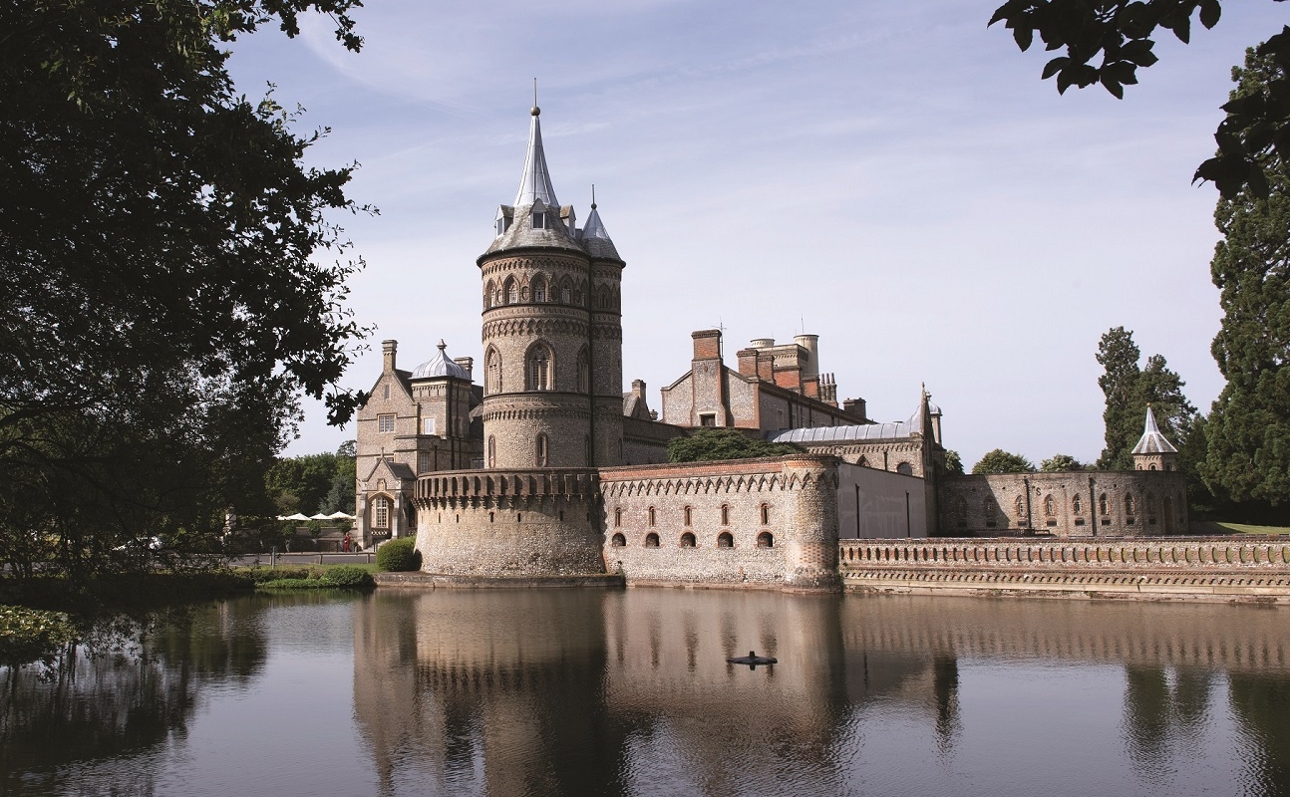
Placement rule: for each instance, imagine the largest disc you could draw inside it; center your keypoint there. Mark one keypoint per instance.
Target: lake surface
(568, 692)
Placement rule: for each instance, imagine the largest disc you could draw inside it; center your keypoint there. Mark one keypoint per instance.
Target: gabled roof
(1153, 442)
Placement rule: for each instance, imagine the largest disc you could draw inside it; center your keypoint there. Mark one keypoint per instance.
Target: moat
(591, 692)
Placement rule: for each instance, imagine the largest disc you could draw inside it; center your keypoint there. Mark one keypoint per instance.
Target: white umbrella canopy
(341, 516)
(296, 516)
(319, 516)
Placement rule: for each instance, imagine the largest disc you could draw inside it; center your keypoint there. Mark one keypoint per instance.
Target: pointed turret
(535, 183)
(595, 238)
(1154, 451)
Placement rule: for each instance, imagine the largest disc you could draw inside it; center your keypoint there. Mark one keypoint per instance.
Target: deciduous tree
(1000, 461)
(171, 280)
(714, 444)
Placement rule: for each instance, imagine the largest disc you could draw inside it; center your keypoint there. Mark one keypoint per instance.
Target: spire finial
(536, 110)
(593, 196)
(442, 345)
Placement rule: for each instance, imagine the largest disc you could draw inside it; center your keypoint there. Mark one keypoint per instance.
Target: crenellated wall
(1192, 568)
(498, 523)
(759, 522)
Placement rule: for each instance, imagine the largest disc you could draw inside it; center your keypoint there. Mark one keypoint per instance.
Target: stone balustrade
(1190, 567)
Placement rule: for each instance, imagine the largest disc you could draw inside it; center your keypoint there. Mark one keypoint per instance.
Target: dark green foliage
(348, 576)
(398, 555)
(953, 463)
(313, 483)
(1000, 461)
(1128, 390)
(1060, 463)
(714, 444)
(171, 282)
(1122, 33)
(28, 634)
(1248, 429)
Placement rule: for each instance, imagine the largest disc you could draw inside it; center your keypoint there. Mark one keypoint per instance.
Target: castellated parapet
(756, 522)
(510, 522)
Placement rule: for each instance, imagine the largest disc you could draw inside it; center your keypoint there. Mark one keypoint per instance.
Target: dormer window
(539, 221)
(501, 225)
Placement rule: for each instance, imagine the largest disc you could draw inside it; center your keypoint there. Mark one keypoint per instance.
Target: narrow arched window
(619, 541)
(539, 290)
(1050, 506)
(1019, 507)
(584, 371)
(540, 368)
(618, 517)
(725, 514)
(725, 540)
(492, 451)
(687, 540)
(511, 290)
(1103, 506)
(1076, 505)
(765, 514)
(765, 540)
(540, 453)
(1129, 505)
(488, 295)
(651, 516)
(651, 540)
(686, 515)
(492, 372)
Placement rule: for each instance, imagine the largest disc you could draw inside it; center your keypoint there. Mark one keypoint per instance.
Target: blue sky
(892, 177)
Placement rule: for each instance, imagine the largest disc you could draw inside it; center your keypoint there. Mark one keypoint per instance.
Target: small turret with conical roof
(1154, 451)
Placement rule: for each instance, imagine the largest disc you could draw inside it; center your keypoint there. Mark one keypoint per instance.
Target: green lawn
(1218, 528)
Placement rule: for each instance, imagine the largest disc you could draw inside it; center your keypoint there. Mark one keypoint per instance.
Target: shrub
(348, 576)
(27, 634)
(398, 555)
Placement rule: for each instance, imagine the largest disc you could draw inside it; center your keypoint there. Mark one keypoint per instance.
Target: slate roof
(895, 430)
(1153, 442)
(441, 365)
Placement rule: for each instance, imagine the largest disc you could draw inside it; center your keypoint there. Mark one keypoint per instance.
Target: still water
(567, 692)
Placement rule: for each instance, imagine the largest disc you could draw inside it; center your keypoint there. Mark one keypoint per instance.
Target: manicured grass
(1219, 528)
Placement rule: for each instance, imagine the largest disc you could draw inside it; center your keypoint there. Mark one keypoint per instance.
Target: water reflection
(130, 684)
(563, 692)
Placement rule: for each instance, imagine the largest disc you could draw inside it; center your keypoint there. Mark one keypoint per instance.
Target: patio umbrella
(341, 516)
(319, 516)
(296, 516)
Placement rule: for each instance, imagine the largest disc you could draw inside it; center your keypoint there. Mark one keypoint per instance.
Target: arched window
(686, 515)
(566, 291)
(618, 541)
(651, 516)
(492, 371)
(651, 540)
(511, 290)
(687, 540)
(905, 468)
(539, 368)
(584, 371)
(603, 298)
(1019, 507)
(618, 517)
(988, 511)
(488, 294)
(959, 512)
(724, 540)
(765, 514)
(765, 540)
(1050, 506)
(725, 514)
(1129, 504)
(1103, 506)
(381, 513)
(539, 290)
(540, 452)
(492, 451)
(1076, 505)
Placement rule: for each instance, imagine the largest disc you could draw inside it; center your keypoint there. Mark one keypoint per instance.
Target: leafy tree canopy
(953, 463)
(1000, 461)
(1105, 41)
(1128, 389)
(312, 484)
(713, 444)
(171, 282)
(1248, 429)
(1060, 463)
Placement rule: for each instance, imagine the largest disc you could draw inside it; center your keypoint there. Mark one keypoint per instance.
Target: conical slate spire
(1153, 442)
(595, 238)
(535, 184)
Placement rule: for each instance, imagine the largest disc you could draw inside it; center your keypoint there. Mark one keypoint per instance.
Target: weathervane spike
(593, 196)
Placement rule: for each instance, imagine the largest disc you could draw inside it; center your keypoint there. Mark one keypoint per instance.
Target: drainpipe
(1030, 521)
(1092, 503)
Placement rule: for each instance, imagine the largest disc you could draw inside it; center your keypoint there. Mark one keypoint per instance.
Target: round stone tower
(552, 332)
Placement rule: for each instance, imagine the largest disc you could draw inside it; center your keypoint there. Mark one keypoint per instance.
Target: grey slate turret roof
(559, 222)
(1153, 442)
(441, 365)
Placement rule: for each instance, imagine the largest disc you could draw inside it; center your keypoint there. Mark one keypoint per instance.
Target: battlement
(508, 488)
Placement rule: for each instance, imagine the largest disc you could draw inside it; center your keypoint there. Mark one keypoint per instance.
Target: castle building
(549, 468)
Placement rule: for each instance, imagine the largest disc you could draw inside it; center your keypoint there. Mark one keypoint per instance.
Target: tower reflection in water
(571, 692)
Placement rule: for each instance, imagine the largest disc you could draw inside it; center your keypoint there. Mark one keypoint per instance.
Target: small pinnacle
(442, 345)
(536, 111)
